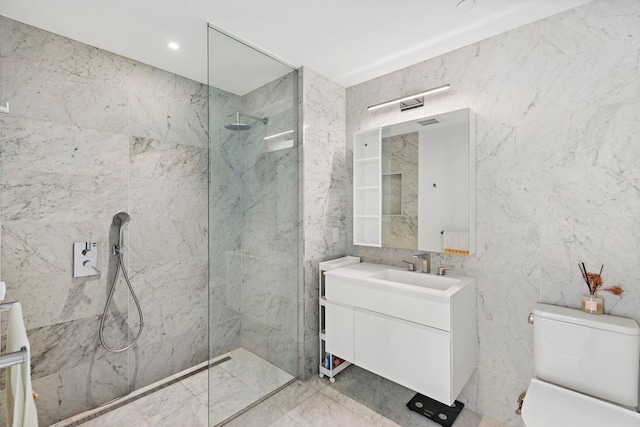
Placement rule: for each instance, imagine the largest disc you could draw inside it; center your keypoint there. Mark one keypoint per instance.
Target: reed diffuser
(592, 303)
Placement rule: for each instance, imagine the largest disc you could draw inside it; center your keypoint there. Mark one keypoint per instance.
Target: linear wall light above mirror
(418, 102)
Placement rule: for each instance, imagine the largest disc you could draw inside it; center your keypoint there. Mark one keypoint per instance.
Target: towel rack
(16, 357)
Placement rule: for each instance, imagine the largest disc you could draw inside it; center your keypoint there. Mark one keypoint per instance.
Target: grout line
(132, 399)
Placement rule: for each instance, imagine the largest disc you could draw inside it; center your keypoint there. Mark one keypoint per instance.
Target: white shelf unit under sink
(328, 369)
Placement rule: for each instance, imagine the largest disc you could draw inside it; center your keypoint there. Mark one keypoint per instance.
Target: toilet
(586, 370)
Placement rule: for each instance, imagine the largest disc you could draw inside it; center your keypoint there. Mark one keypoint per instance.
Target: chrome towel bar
(16, 357)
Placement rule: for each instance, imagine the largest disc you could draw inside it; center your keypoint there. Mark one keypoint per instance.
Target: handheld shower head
(121, 219)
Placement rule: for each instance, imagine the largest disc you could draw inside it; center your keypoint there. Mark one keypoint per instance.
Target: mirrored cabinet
(414, 184)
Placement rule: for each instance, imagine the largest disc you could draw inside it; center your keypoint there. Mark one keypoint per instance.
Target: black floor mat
(434, 410)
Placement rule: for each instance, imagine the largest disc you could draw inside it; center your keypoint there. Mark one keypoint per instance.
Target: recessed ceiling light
(465, 5)
(173, 45)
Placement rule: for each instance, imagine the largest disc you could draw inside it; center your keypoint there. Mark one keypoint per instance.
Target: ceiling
(347, 41)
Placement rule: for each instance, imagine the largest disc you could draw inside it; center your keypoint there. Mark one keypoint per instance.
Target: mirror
(414, 184)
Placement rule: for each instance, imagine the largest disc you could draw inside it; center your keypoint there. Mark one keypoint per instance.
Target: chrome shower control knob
(89, 253)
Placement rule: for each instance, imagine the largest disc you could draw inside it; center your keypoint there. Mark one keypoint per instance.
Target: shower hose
(117, 250)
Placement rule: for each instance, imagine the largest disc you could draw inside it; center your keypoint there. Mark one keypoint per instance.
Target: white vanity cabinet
(339, 325)
(434, 361)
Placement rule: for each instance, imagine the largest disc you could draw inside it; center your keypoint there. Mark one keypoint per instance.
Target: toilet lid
(547, 405)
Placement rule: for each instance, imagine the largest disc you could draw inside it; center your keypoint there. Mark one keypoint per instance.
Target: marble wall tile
(497, 243)
(225, 268)
(495, 396)
(50, 147)
(513, 50)
(36, 249)
(167, 279)
(47, 197)
(311, 275)
(169, 318)
(324, 161)
(38, 48)
(161, 200)
(224, 337)
(587, 78)
(507, 349)
(506, 299)
(508, 197)
(189, 349)
(282, 315)
(592, 25)
(311, 326)
(53, 298)
(68, 152)
(556, 126)
(155, 240)
(55, 95)
(165, 118)
(80, 388)
(282, 351)
(147, 80)
(600, 136)
(505, 97)
(225, 201)
(325, 185)
(563, 247)
(156, 159)
(253, 336)
(590, 196)
(178, 353)
(507, 147)
(59, 347)
(224, 303)
(310, 358)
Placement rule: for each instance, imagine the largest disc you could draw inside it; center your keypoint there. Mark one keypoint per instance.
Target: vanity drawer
(413, 355)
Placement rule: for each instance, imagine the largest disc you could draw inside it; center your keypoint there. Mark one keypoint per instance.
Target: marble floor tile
(260, 415)
(296, 393)
(319, 411)
(211, 397)
(168, 399)
(197, 383)
(128, 415)
(229, 398)
(389, 399)
(265, 380)
(284, 421)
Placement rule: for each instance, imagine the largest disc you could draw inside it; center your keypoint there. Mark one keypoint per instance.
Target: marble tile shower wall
(557, 177)
(91, 133)
(269, 236)
(225, 216)
(323, 203)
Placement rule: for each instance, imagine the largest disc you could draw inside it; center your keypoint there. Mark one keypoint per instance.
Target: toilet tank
(593, 354)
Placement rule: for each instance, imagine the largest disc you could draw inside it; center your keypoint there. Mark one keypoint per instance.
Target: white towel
(456, 242)
(21, 409)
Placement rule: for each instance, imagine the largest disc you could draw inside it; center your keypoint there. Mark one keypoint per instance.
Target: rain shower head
(238, 125)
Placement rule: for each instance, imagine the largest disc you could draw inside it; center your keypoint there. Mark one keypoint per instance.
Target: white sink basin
(439, 283)
(427, 299)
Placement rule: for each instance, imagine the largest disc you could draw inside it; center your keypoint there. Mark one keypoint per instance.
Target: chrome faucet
(410, 266)
(426, 261)
(443, 270)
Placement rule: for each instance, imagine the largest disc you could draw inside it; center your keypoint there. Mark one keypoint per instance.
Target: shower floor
(230, 386)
